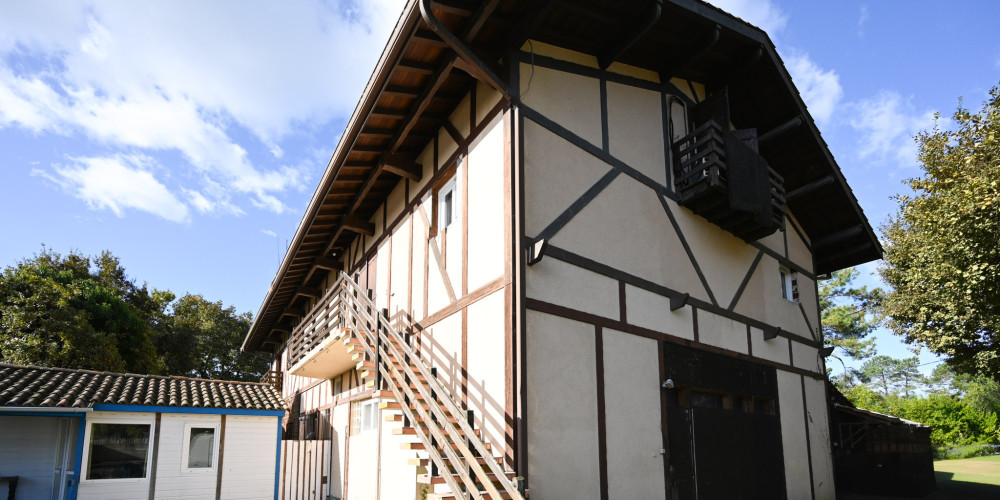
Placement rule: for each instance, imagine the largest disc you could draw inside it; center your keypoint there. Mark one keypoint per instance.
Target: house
(566, 250)
(879, 454)
(80, 434)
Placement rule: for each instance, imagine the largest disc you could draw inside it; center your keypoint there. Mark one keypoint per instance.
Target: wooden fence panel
(304, 469)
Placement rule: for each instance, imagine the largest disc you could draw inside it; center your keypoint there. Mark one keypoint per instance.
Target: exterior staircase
(460, 464)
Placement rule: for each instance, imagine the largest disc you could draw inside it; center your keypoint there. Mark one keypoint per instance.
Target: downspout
(476, 65)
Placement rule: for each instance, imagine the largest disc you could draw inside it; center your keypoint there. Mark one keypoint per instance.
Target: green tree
(890, 375)
(75, 311)
(55, 312)
(848, 316)
(203, 339)
(942, 247)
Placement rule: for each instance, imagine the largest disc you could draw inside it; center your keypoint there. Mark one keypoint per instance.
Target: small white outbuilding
(79, 434)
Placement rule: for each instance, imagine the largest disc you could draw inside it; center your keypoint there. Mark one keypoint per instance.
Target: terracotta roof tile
(32, 386)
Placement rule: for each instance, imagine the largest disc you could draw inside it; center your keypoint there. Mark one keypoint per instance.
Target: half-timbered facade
(568, 250)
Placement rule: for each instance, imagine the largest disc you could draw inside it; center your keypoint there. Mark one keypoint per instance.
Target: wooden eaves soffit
(440, 48)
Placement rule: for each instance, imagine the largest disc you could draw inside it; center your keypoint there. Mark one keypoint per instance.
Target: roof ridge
(129, 374)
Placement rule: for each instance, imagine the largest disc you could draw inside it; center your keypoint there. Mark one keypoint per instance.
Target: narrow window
(118, 450)
(446, 205)
(369, 416)
(200, 443)
(789, 285)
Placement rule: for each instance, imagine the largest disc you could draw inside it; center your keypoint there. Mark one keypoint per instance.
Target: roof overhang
(426, 68)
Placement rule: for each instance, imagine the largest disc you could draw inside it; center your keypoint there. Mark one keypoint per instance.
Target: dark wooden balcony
(721, 177)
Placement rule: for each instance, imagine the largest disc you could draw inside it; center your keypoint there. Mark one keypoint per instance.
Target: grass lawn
(970, 478)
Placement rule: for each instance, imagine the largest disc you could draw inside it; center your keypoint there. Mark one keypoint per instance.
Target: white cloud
(192, 77)
(887, 124)
(862, 19)
(119, 183)
(268, 232)
(819, 88)
(761, 13)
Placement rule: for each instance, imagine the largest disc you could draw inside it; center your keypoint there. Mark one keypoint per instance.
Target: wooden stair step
(438, 479)
(410, 431)
(420, 446)
(453, 496)
(426, 462)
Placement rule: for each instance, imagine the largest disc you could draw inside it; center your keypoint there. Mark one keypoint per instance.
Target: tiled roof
(31, 386)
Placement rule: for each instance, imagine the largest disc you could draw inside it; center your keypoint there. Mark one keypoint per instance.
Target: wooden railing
(272, 378)
(717, 176)
(324, 317)
(458, 453)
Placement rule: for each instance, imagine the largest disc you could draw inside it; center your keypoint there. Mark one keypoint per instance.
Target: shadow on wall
(450, 373)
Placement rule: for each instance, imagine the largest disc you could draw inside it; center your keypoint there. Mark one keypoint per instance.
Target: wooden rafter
(690, 53)
(631, 32)
(358, 225)
(403, 166)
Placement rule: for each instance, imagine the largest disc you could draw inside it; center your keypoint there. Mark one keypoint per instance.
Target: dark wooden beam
(377, 131)
(452, 131)
(291, 313)
(358, 164)
(327, 263)
(780, 129)
(748, 61)
(631, 32)
(536, 15)
(387, 113)
(479, 19)
(357, 225)
(690, 53)
(403, 166)
(801, 191)
(453, 7)
(309, 291)
(441, 75)
(837, 237)
(428, 37)
(401, 91)
(412, 66)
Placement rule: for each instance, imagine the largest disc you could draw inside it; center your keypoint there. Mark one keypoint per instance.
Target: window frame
(789, 284)
(186, 447)
(447, 184)
(372, 405)
(116, 420)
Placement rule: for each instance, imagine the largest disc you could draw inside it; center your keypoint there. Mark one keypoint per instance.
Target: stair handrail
(396, 345)
(372, 324)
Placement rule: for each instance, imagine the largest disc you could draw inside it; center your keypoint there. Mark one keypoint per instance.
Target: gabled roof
(861, 412)
(421, 77)
(38, 387)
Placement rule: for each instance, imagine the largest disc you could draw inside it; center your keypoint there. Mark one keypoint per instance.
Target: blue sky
(187, 137)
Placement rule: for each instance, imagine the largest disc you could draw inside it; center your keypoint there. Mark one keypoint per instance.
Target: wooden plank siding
(306, 465)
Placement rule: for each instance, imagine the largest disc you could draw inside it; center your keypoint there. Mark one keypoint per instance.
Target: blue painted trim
(277, 462)
(73, 414)
(78, 468)
(184, 409)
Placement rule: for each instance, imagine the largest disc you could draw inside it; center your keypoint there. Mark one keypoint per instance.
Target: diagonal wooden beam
(422, 101)
(750, 59)
(837, 237)
(479, 19)
(690, 53)
(632, 31)
(780, 129)
(801, 191)
(403, 166)
(309, 291)
(532, 19)
(358, 225)
(327, 263)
